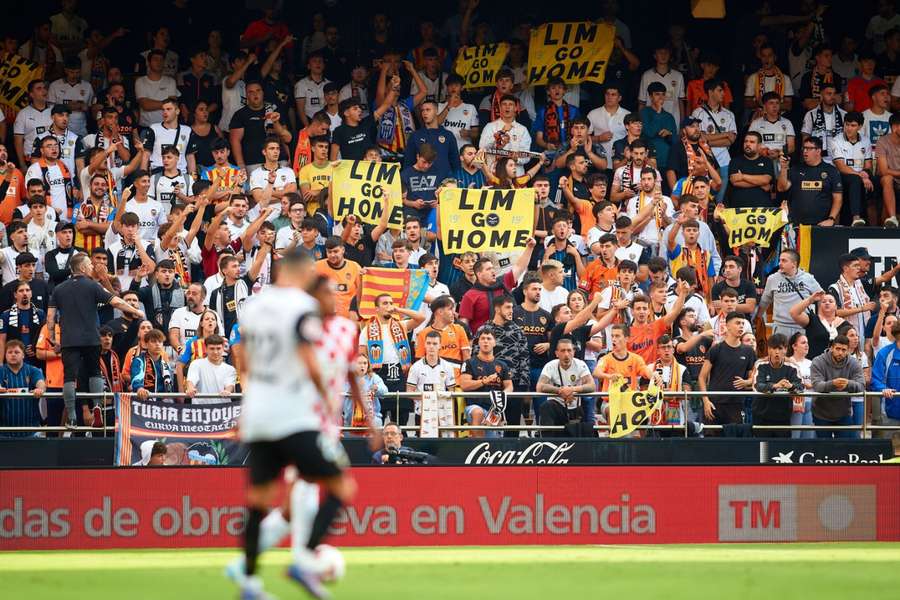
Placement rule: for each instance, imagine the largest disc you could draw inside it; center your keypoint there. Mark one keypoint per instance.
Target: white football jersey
(774, 135)
(279, 398)
(179, 137)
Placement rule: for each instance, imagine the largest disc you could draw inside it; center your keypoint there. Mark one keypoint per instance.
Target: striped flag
(406, 286)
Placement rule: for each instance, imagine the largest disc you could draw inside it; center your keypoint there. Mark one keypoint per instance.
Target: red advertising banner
(409, 506)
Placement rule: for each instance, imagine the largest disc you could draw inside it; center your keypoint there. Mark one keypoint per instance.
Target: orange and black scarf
(553, 127)
(761, 84)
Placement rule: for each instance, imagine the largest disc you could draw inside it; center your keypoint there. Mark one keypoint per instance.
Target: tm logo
(784, 458)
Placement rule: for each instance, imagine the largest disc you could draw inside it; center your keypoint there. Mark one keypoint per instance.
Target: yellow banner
(359, 186)
(478, 65)
(16, 73)
(629, 409)
(574, 51)
(752, 225)
(482, 220)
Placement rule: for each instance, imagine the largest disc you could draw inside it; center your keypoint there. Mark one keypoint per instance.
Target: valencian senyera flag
(406, 286)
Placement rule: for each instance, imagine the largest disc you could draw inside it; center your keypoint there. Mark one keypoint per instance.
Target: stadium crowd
(176, 180)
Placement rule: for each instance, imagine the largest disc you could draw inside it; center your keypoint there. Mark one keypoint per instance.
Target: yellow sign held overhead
(359, 188)
(752, 225)
(478, 65)
(575, 52)
(486, 220)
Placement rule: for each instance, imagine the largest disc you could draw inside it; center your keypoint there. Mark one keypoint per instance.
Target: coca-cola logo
(536, 453)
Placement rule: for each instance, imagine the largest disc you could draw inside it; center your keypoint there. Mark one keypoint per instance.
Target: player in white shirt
(825, 121)
(210, 375)
(283, 414)
(309, 92)
(234, 89)
(32, 122)
(775, 130)
(608, 121)
(673, 81)
(507, 134)
(649, 210)
(74, 92)
(852, 156)
(431, 373)
(153, 88)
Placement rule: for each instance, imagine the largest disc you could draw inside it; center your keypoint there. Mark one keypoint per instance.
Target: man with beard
(627, 176)
(751, 176)
(564, 378)
(475, 308)
(115, 98)
(691, 155)
(621, 148)
(469, 175)
(185, 320)
(56, 261)
(815, 189)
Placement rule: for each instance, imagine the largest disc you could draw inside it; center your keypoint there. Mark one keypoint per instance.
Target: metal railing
(683, 396)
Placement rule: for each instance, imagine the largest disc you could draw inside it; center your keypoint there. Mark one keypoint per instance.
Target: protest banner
(478, 65)
(194, 434)
(752, 225)
(16, 72)
(486, 220)
(406, 286)
(575, 52)
(629, 409)
(359, 187)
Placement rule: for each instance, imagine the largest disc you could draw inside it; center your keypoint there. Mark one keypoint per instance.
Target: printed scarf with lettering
(819, 125)
(67, 183)
(553, 127)
(375, 345)
(778, 88)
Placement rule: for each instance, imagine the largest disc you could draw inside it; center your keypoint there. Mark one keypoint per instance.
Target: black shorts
(80, 363)
(314, 454)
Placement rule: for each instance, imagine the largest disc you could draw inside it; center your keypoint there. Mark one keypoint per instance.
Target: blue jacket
(442, 140)
(887, 376)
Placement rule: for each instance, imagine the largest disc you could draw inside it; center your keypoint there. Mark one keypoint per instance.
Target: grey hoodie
(823, 371)
(780, 293)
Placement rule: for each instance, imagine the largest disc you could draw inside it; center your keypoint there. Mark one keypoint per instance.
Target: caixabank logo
(796, 513)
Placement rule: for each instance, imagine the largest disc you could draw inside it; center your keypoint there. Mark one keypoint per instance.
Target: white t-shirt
(774, 135)
(459, 118)
(57, 185)
(62, 92)
(769, 82)
(718, 121)
(435, 89)
(854, 154)
(186, 322)
(361, 94)
(284, 176)
(674, 82)
(118, 173)
(150, 214)
(8, 269)
(313, 92)
(389, 351)
(875, 126)
(284, 236)
(549, 298)
(825, 134)
(279, 397)
(233, 100)
(159, 90)
(650, 233)
(98, 140)
(602, 121)
(695, 302)
(568, 377)
(32, 123)
(41, 239)
(178, 136)
(210, 379)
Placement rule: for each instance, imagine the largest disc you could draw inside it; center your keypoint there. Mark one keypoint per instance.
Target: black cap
(861, 252)
(348, 103)
(688, 121)
(331, 87)
(59, 109)
(25, 258)
(63, 226)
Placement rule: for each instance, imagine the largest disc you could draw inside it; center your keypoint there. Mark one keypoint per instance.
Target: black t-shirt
(363, 251)
(535, 324)
(76, 301)
(809, 198)
(693, 358)
(279, 93)
(678, 160)
(744, 289)
(124, 335)
(459, 288)
(579, 335)
(478, 368)
(728, 363)
(253, 122)
(753, 197)
(816, 335)
(354, 140)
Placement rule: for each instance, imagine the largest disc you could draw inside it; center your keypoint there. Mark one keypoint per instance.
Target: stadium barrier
(408, 506)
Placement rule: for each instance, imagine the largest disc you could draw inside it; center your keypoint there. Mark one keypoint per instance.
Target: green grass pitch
(819, 571)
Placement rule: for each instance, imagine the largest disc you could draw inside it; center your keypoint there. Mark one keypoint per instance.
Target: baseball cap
(688, 121)
(64, 226)
(59, 109)
(861, 252)
(25, 258)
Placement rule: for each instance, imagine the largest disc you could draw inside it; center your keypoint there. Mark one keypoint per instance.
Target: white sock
(273, 529)
(304, 506)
